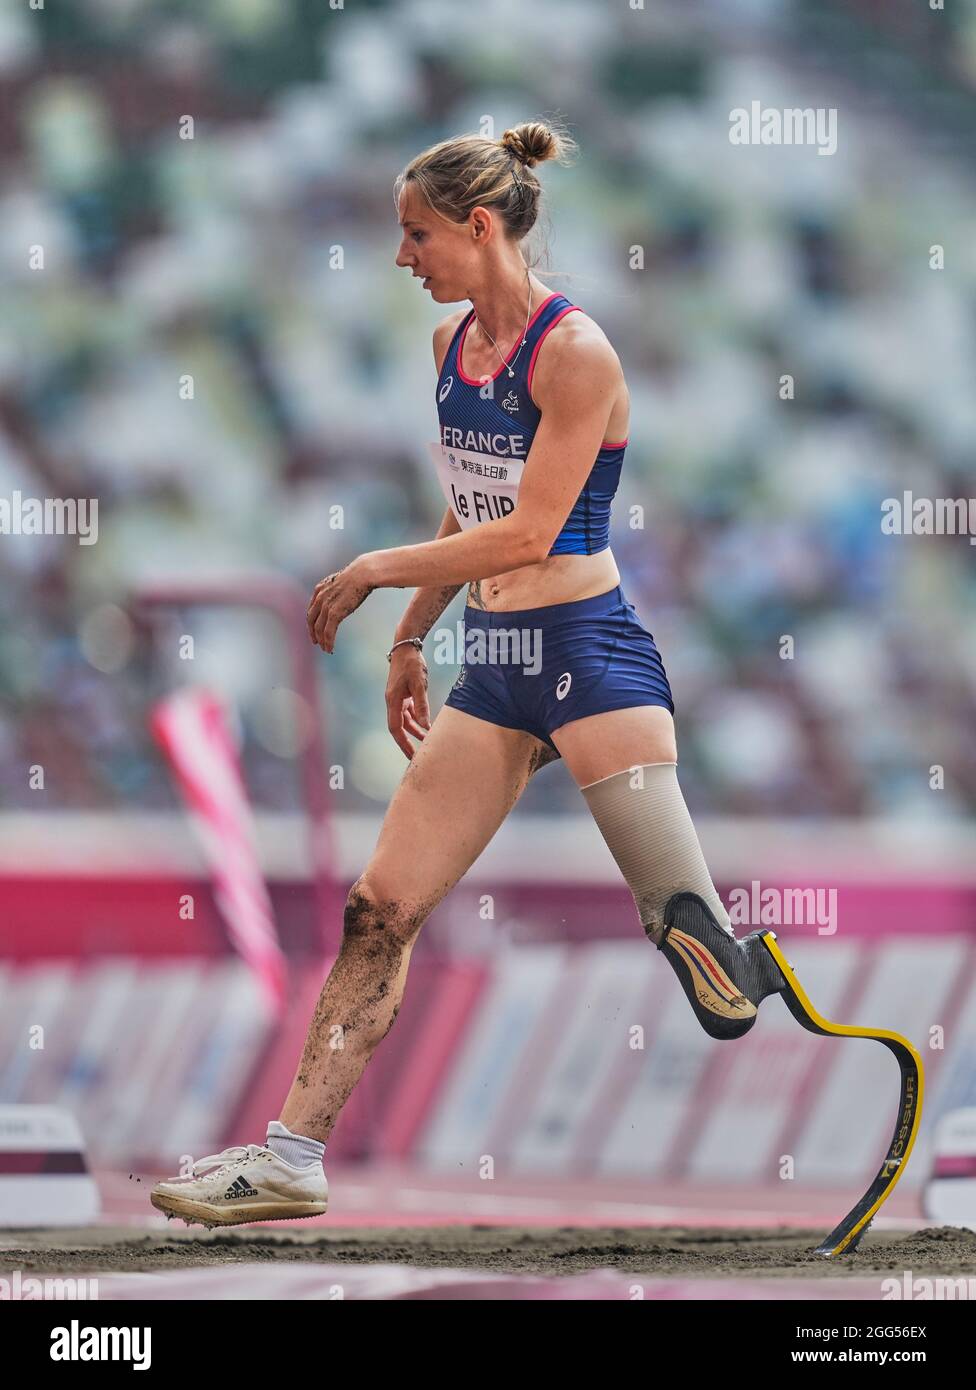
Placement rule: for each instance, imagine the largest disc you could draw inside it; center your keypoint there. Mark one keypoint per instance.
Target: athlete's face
(437, 252)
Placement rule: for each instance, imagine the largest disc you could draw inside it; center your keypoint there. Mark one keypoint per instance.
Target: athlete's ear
(481, 224)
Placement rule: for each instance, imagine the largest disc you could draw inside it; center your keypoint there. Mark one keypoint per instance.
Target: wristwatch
(417, 642)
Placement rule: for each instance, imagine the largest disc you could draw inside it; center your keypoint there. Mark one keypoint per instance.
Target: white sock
(296, 1149)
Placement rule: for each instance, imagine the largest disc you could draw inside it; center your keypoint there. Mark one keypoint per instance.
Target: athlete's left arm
(574, 386)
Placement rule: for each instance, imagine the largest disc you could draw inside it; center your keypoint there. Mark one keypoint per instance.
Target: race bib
(477, 487)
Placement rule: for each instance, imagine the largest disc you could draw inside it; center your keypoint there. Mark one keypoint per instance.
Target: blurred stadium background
(257, 259)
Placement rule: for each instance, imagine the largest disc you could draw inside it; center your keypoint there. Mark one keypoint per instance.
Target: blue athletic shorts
(539, 668)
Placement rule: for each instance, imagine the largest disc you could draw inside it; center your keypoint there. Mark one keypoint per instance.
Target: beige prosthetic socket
(648, 829)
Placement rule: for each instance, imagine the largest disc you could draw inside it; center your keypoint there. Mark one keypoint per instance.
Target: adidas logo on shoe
(240, 1188)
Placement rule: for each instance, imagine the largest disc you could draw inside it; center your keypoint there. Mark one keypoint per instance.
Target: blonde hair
(469, 171)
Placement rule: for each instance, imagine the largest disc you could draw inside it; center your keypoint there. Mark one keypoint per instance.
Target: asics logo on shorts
(445, 388)
(562, 689)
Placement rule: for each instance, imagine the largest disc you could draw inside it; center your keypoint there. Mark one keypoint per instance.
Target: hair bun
(531, 143)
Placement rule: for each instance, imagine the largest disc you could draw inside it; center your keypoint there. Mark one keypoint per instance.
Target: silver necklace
(525, 331)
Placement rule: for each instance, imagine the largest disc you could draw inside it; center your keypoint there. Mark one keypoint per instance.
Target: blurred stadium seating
(211, 257)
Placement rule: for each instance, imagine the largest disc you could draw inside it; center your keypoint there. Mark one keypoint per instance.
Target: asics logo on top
(562, 689)
(445, 388)
(240, 1188)
(510, 403)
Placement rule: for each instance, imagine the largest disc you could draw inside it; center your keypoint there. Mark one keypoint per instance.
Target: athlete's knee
(371, 914)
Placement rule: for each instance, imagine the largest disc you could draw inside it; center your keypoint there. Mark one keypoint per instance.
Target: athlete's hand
(407, 710)
(334, 598)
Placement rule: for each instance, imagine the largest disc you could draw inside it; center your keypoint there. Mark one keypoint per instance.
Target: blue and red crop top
(485, 440)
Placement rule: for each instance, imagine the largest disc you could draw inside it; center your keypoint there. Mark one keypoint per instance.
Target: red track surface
(382, 1195)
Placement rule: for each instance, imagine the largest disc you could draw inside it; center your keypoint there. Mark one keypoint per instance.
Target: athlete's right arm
(407, 709)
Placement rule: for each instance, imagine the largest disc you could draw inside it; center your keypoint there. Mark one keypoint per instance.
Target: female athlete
(534, 417)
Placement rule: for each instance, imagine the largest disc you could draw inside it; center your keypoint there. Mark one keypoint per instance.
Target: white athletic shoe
(246, 1183)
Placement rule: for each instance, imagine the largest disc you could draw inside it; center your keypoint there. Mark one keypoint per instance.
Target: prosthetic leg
(645, 823)
(726, 980)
